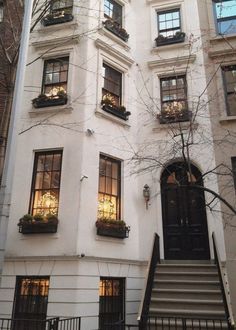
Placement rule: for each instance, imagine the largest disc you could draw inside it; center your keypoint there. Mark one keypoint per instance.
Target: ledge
(112, 36)
(113, 52)
(185, 125)
(173, 61)
(69, 39)
(101, 113)
(51, 28)
(56, 109)
(227, 119)
(156, 50)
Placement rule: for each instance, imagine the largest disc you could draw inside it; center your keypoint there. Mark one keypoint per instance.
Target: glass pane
(102, 184)
(108, 185)
(114, 187)
(49, 67)
(162, 17)
(108, 168)
(115, 170)
(56, 77)
(48, 163)
(162, 25)
(169, 24)
(176, 15)
(168, 16)
(231, 98)
(226, 8)
(47, 180)
(56, 162)
(40, 164)
(55, 180)
(48, 78)
(39, 181)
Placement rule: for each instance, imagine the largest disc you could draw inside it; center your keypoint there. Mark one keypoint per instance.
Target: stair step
(187, 275)
(191, 313)
(185, 284)
(186, 293)
(191, 324)
(186, 267)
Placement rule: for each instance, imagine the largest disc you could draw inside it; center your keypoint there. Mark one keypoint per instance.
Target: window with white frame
(225, 12)
(229, 76)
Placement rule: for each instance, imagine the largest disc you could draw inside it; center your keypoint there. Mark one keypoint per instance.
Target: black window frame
(28, 306)
(112, 307)
(117, 12)
(109, 178)
(222, 19)
(174, 29)
(225, 68)
(34, 190)
(233, 164)
(109, 80)
(62, 61)
(177, 116)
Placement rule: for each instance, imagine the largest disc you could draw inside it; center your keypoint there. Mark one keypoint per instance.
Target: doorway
(184, 214)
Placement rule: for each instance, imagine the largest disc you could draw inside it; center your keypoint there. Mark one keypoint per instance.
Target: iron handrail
(144, 307)
(223, 287)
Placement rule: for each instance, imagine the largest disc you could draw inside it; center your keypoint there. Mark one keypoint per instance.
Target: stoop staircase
(184, 296)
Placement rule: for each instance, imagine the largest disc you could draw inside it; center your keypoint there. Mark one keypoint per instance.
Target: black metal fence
(182, 323)
(49, 324)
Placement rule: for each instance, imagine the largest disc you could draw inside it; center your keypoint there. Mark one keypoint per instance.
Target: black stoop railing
(222, 286)
(155, 259)
(73, 323)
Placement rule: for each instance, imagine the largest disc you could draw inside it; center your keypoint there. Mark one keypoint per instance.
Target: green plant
(111, 223)
(38, 217)
(27, 218)
(52, 218)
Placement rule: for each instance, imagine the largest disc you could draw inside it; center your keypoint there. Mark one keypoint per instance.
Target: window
(111, 302)
(168, 22)
(225, 11)
(229, 75)
(61, 6)
(112, 84)
(174, 99)
(46, 183)
(233, 161)
(1, 11)
(109, 188)
(30, 302)
(55, 76)
(113, 11)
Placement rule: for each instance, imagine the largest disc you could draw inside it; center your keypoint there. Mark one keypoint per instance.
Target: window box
(112, 228)
(174, 117)
(43, 100)
(57, 18)
(176, 38)
(117, 29)
(37, 224)
(116, 111)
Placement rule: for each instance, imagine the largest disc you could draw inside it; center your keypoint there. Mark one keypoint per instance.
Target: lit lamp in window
(106, 207)
(146, 194)
(48, 203)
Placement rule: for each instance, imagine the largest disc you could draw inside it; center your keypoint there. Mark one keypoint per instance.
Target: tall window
(30, 302)
(225, 16)
(229, 73)
(109, 188)
(112, 84)
(111, 302)
(55, 76)
(59, 6)
(168, 22)
(174, 97)
(46, 183)
(113, 11)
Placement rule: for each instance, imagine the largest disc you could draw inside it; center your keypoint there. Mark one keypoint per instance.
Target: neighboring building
(11, 13)
(106, 79)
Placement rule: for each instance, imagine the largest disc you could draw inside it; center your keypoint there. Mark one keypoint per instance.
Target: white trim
(174, 61)
(57, 42)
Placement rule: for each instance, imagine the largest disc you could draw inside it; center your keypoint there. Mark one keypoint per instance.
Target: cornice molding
(110, 35)
(114, 52)
(69, 39)
(174, 61)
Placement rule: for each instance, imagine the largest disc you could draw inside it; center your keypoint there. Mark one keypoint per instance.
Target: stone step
(187, 275)
(186, 267)
(186, 304)
(185, 284)
(186, 293)
(187, 313)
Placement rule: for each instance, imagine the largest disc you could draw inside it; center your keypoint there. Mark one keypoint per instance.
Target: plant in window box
(112, 228)
(57, 96)
(116, 28)
(174, 112)
(38, 224)
(176, 38)
(109, 105)
(58, 17)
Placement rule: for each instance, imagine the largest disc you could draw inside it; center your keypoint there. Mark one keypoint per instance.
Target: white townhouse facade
(107, 82)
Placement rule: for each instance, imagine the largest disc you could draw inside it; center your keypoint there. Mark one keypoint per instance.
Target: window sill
(227, 119)
(166, 47)
(109, 239)
(51, 28)
(112, 36)
(54, 109)
(106, 115)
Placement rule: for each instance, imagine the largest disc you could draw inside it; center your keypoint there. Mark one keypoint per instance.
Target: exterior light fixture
(146, 194)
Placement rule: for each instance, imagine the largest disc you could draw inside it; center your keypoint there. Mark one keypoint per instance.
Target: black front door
(184, 215)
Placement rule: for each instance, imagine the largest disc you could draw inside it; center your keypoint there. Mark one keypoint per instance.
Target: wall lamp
(146, 194)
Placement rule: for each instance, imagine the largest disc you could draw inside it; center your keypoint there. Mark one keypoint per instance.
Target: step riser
(184, 285)
(189, 295)
(178, 268)
(190, 277)
(186, 306)
(184, 313)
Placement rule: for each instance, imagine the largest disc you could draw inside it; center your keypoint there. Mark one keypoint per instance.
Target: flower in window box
(27, 218)
(56, 96)
(116, 28)
(112, 228)
(38, 224)
(108, 99)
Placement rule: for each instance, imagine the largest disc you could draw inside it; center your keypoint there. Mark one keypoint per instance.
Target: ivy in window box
(108, 105)
(43, 100)
(112, 228)
(57, 18)
(38, 224)
(117, 29)
(176, 38)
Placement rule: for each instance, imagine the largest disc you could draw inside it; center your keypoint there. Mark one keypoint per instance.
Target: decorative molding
(159, 49)
(56, 27)
(101, 113)
(180, 125)
(57, 42)
(56, 109)
(163, 2)
(227, 119)
(174, 61)
(113, 52)
(221, 53)
(110, 35)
